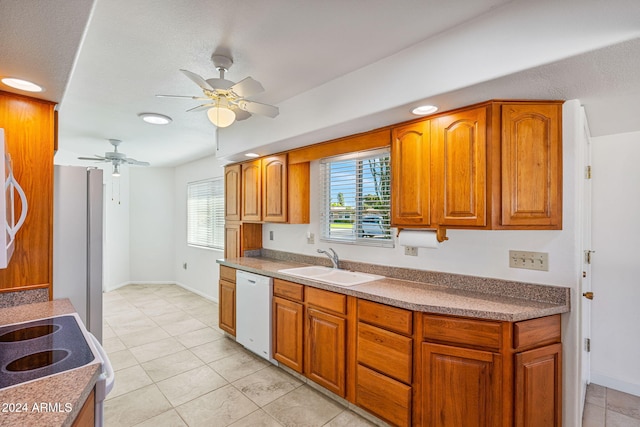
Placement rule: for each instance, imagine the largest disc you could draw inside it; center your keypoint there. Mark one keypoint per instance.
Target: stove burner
(29, 333)
(37, 360)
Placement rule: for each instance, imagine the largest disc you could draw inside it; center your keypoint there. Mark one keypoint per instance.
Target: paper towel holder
(441, 233)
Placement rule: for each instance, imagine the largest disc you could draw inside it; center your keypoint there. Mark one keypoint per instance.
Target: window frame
(359, 211)
(213, 239)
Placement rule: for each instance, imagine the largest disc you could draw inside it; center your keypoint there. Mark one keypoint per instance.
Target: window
(205, 213)
(356, 193)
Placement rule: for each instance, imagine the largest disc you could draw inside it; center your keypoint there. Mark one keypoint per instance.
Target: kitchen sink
(332, 275)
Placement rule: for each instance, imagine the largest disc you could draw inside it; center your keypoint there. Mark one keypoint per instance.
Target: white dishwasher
(253, 312)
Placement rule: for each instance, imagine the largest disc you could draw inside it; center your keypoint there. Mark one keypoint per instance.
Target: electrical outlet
(311, 238)
(529, 260)
(411, 250)
(271, 235)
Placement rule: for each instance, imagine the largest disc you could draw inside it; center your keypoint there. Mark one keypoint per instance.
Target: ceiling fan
(116, 158)
(227, 101)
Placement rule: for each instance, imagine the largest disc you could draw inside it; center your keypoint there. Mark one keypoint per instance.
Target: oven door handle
(108, 376)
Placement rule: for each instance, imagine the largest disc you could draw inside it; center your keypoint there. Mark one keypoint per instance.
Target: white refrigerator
(77, 241)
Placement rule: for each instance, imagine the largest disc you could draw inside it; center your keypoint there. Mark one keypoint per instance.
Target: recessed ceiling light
(155, 119)
(22, 84)
(252, 155)
(423, 110)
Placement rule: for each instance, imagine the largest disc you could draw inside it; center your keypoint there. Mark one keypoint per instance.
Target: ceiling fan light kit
(227, 101)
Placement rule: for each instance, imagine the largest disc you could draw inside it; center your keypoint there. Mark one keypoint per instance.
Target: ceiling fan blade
(199, 98)
(95, 159)
(240, 114)
(136, 162)
(247, 87)
(197, 80)
(258, 108)
(200, 108)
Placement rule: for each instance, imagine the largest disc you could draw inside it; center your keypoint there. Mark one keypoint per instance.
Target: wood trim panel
(299, 181)
(326, 299)
(86, 416)
(536, 332)
(365, 141)
(288, 290)
(462, 331)
(392, 318)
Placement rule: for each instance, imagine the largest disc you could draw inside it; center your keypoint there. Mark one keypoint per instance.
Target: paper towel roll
(419, 238)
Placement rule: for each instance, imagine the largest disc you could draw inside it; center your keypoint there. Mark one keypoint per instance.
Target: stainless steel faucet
(333, 256)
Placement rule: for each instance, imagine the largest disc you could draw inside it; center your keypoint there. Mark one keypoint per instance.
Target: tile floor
(610, 408)
(174, 367)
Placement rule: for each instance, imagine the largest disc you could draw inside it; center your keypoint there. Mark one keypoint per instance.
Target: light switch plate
(411, 250)
(529, 260)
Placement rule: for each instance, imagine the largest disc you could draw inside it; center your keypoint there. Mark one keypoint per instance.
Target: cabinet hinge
(587, 344)
(587, 172)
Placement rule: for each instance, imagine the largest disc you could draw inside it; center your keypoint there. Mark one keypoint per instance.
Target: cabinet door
(325, 350)
(538, 401)
(459, 168)
(251, 187)
(232, 192)
(288, 324)
(274, 189)
(460, 387)
(531, 165)
(410, 175)
(232, 242)
(227, 307)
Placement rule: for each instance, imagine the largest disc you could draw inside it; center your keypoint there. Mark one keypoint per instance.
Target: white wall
(116, 230)
(152, 237)
(615, 326)
(479, 253)
(202, 274)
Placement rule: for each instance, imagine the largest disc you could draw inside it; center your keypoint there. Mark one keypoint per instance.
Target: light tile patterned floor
(174, 367)
(610, 408)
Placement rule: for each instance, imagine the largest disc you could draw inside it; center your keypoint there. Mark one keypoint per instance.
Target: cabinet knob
(588, 295)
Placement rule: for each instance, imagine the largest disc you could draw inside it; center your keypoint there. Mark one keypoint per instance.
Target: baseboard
(195, 291)
(615, 384)
(137, 282)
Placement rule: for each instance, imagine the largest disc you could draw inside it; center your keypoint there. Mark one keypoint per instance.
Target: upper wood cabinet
(30, 137)
(411, 175)
(459, 168)
(269, 190)
(251, 189)
(232, 187)
(531, 165)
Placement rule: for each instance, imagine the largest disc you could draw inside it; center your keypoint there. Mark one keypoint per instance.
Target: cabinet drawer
(536, 332)
(383, 396)
(467, 332)
(385, 351)
(288, 290)
(327, 300)
(387, 317)
(228, 274)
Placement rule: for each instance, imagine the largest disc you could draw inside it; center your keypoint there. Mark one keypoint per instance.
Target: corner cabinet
(496, 165)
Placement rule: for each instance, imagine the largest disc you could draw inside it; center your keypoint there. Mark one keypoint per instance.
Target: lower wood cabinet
(288, 326)
(460, 386)
(227, 300)
(383, 396)
(325, 350)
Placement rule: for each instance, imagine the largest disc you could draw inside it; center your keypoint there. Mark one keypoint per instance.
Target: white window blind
(205, 213)
(356, 198)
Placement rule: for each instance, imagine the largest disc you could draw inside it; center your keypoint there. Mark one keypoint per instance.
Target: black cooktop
(40, 348)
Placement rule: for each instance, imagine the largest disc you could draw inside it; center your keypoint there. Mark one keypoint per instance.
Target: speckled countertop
(459, 295)
(69, 387)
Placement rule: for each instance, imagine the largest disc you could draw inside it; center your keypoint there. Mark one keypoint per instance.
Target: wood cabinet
(30, 138)
(411, 175)
(496, 165)
(251, 189)
(274, 188)
(240, 237)
(86, 416)
(232, 192)
(227, 300)
(460, 386)
(531, 165)
(459, 168)
(384, 355)
(288, 324)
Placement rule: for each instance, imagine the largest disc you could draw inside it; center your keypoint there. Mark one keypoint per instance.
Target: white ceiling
(334, 67)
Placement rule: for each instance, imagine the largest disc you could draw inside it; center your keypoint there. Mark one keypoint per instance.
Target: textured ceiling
(333, 67)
